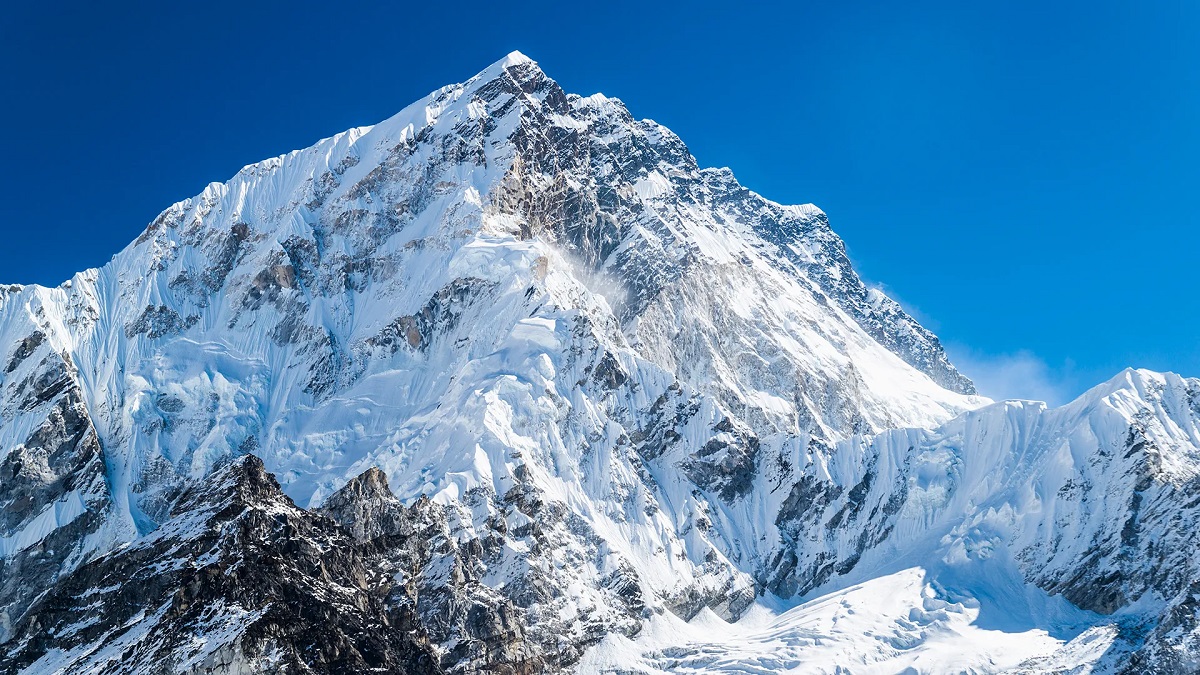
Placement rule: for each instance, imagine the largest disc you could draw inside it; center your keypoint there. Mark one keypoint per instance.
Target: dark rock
(159, 321)
(238, 580)
(25, 349)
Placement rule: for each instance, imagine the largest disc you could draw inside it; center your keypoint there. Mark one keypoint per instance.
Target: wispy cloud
(1022, 375)
(1017, 375)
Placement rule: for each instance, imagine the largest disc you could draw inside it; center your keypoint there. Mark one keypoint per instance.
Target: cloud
(1021, 375)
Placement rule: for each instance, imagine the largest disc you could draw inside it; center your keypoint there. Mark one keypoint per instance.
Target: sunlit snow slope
(1011, 539)
(608, 388)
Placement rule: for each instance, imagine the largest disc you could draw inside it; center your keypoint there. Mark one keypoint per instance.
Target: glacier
(590, 406)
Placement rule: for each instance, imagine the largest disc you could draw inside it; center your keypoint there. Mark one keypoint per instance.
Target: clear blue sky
(1022, 176)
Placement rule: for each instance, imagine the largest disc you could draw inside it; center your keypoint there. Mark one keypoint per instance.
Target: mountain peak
(1138, 383)
(515, 57)
(514, 64)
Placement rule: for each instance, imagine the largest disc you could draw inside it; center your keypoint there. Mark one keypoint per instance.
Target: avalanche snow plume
(508, 383)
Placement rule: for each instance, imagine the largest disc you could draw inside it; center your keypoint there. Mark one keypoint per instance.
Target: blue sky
(1021, 176)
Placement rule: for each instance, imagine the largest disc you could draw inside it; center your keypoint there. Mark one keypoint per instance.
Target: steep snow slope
(621, 385)
(984, 532)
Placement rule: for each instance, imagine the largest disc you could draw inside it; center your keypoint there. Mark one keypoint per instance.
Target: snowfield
(893, 623)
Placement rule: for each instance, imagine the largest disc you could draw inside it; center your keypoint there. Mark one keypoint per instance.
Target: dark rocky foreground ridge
(238, 579)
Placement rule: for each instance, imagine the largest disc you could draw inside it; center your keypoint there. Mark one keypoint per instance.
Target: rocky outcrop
(439, 578)
(54, 495)
(238, 580)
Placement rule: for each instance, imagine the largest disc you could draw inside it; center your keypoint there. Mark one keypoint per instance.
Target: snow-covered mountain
(538, 391)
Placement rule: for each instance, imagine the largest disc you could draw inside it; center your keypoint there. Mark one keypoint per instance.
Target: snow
(895, 623)
(37, 528)
(947, 592)
(652, 185)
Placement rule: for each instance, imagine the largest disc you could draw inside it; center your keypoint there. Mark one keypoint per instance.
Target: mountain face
(507, 383)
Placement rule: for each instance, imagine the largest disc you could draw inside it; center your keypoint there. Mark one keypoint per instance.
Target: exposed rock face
(607, 386)
(813, 246)
(53, 492)
(237, 580)
(439, 579)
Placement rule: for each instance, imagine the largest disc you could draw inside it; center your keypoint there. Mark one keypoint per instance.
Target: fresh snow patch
(896, 623)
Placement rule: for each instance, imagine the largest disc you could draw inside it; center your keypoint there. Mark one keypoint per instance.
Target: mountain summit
(536, 390)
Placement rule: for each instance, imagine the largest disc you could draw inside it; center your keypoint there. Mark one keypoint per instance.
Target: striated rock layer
(531, 380)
